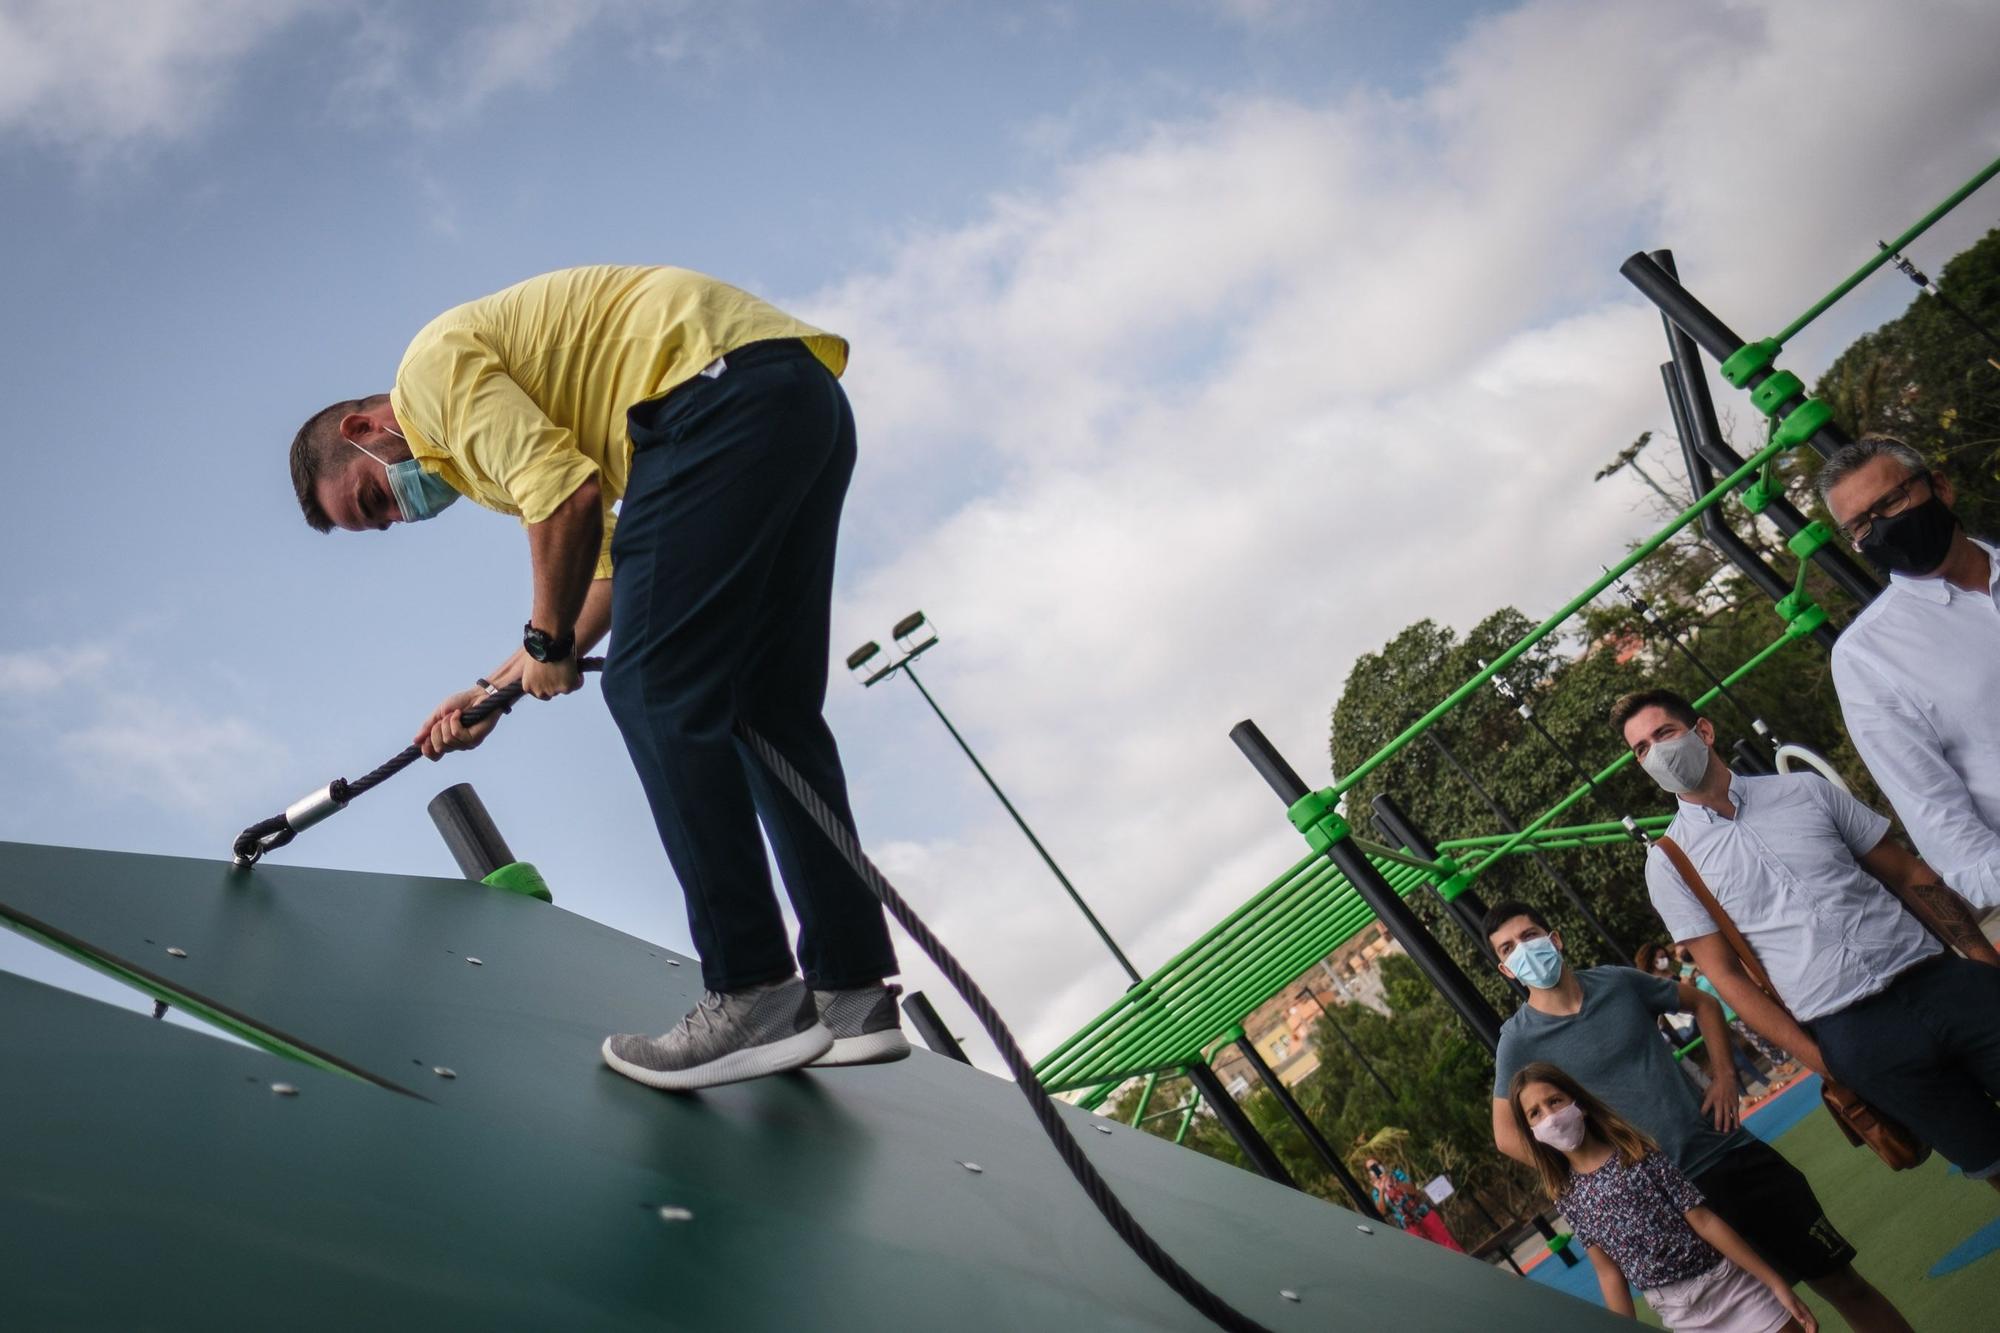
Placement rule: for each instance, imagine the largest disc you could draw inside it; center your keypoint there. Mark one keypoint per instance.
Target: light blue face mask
(1537, 963)
(419, 494)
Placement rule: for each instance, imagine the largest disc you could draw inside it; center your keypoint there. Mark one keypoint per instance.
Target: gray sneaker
(864, 1024)
(727, 1038)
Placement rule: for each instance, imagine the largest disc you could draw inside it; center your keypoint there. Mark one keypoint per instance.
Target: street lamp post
(914, 635)
(1348, 1041)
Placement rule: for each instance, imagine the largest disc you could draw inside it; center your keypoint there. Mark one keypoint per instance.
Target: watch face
(537, 643)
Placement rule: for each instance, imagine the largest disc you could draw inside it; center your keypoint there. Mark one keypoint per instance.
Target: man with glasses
(1918, 672)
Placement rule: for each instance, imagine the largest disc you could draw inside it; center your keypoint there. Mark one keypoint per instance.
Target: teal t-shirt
(1612, 1046)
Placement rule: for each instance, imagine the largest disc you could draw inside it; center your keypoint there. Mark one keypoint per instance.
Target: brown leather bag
(1862, 1123)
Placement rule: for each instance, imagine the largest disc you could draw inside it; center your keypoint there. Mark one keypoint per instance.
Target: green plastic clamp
(520, 877)
(1805, 622)
(1313, 815)
(1802, 423)
(1748, 359)
(1559, 1242)
(1776, 391)
(1458, 883)
(1809, 539)
(1757, 496)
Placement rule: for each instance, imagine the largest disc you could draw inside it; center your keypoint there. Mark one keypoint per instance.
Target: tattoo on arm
(1948, 914)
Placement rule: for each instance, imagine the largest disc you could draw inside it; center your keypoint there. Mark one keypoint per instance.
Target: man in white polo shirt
(1831, 908)
(1918, 671)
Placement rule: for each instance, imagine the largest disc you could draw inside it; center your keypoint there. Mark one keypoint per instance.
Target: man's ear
(1941, 485)
(1705, 729)
(356, 427)
(1556, 938)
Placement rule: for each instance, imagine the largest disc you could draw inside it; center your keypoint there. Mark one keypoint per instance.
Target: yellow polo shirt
(516, 398)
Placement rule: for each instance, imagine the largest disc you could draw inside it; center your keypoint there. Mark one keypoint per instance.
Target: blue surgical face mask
(1537, 963)
(419, 494)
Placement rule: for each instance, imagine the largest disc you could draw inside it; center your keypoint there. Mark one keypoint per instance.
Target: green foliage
(1926, 377)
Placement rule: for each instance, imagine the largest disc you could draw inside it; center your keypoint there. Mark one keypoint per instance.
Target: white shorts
(1725, 1299)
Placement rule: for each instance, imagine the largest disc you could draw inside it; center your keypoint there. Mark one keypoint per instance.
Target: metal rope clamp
(300, 815)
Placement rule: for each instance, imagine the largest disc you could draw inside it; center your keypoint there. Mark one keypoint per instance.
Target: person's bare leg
(1865, 1309)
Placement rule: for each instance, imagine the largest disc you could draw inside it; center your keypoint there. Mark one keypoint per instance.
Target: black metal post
(1262, 1156)
(1749, 759)
(469, 831)
(1506, 1251)
(1701, 477)
(1363, 1202)
(930, 1026)
(1050, 861)
(1618, 955)
(1720, 341)
(1394, 914)
(1847, 574)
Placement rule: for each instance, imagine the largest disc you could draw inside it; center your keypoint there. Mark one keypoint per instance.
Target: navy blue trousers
(720, 605)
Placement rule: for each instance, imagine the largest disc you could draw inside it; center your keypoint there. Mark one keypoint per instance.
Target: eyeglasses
(1888, 505)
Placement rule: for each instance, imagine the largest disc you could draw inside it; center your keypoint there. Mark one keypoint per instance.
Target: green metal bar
(1300, 914)
(1881, 257)
(1208, 1007)
(1714, 693)
(1145, 1098)
(1194, 1101)
(1378, 852)
(184, 1002)
(1567, 831)
(1554, 622)
(1216, 1009)
(1133, 1043)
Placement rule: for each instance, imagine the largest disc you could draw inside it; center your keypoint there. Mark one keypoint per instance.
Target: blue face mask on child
(419, 494)
(1537, 963)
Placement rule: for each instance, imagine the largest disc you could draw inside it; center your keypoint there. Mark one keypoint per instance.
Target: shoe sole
(748, 1062)
(870, 1048)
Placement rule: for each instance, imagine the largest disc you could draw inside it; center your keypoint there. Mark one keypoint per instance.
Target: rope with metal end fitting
(331, 799)
(279, 830)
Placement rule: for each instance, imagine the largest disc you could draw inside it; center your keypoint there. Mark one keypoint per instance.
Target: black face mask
(1915, 541)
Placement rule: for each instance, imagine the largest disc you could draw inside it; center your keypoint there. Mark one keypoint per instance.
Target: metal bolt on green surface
(177, 953)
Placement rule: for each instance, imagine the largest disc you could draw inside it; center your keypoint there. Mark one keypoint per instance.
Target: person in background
(1641, 1221)
(1656, 960)
(1407, 1206)
(1918, 671)
(1782, 1065)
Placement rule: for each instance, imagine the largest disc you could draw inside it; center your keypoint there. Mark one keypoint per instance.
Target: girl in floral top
(1642, 1222)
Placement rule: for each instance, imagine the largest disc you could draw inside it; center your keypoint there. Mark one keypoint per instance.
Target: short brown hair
(1626, 1139)
(1629, 707)
(314, 454)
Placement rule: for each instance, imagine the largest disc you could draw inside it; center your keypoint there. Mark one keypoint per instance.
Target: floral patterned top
(1635, 1214)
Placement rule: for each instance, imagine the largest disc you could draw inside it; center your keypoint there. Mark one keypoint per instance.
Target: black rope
(251, 844)
(1184, 1283)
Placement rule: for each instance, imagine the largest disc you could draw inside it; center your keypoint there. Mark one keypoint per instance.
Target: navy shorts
(1926, 1050)
(1771, 1205)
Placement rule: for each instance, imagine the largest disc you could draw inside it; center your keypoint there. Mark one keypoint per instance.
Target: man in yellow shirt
(720, 422)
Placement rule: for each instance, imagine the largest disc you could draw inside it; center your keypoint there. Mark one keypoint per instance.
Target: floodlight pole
(902, 666)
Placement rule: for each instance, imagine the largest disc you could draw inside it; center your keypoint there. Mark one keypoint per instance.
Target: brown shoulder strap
(1692, 878)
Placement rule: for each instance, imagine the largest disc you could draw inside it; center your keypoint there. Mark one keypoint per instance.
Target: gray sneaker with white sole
(865, 1026)
(728, 1037)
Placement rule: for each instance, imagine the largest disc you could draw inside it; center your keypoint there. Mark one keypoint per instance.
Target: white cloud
(171, 754)
(1279, 379)
(96, 74)
(46, 670)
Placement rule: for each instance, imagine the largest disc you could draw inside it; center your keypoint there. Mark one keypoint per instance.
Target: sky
(1198, 347)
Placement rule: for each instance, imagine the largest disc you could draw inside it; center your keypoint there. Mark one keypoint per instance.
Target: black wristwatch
(546, 647)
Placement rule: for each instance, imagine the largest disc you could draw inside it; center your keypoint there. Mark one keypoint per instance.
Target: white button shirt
(1785, 871)
(1918, 674)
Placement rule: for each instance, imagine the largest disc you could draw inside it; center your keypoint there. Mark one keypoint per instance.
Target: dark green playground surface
(150, 1177)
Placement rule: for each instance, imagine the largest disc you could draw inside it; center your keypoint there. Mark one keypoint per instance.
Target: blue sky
(1162, 313)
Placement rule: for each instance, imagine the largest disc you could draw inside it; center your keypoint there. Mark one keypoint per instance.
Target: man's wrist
(548, 645)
